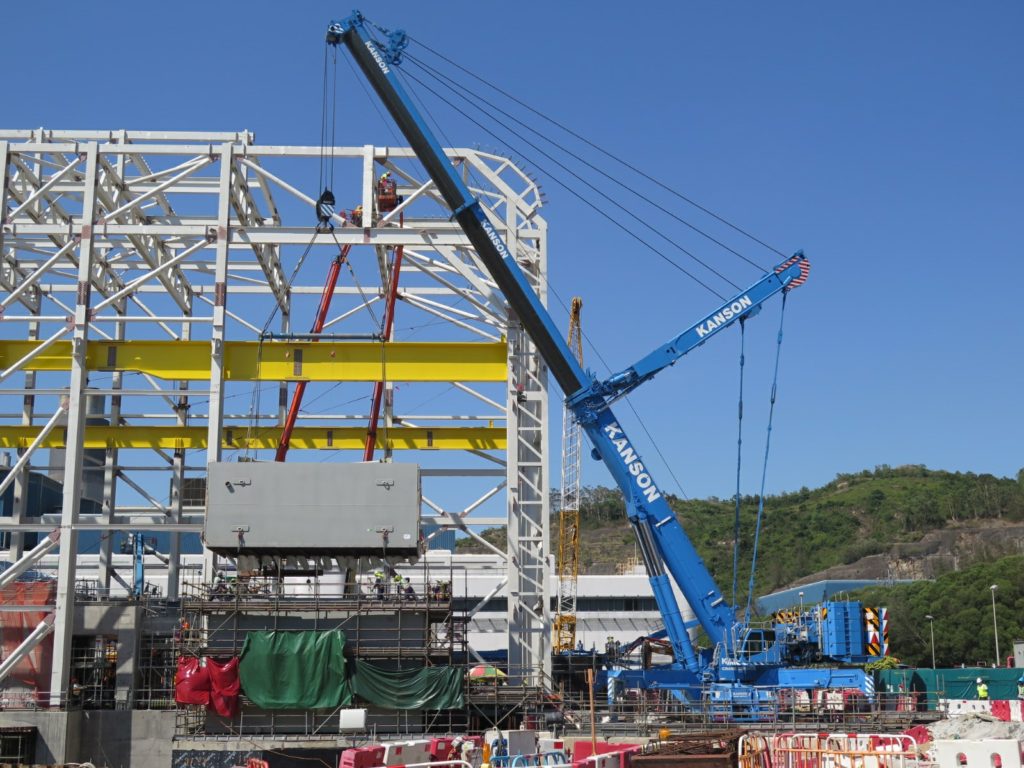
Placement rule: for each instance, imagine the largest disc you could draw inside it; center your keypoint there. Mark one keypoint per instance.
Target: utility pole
(931, 627)
(995, 627)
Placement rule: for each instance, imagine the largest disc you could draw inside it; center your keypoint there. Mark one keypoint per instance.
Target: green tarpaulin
(294, 670)
(307, 670)
(426, 688)
(954, 683)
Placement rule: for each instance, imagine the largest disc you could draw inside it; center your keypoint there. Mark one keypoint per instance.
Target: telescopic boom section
(661, 539)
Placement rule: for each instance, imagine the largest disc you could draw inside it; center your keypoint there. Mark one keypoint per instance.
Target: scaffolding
(381, 624)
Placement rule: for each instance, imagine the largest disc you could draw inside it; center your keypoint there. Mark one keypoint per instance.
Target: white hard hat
(978, 680)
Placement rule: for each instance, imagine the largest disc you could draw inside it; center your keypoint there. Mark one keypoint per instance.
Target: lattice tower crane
(569, 514)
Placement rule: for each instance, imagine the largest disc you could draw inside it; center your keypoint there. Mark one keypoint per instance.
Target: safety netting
(32, 672)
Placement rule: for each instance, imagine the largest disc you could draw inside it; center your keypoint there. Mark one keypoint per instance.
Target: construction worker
(609, 647)
(455, 751)
(378, 584)
(1020, 687)
(408, 592)
(387, 193)
(396, 582)
(357, 215)
(75, 691)
(982, 688)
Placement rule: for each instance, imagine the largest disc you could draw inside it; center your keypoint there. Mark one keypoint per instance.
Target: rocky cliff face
(952, 548)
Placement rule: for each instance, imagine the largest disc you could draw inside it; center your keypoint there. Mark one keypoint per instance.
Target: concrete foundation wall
(57, 733)
(110, 738)
(126, 739)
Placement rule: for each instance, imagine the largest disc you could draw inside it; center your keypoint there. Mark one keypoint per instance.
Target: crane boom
(664, 545)
(569, 512)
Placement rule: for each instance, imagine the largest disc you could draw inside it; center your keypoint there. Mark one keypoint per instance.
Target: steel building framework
(154, 287)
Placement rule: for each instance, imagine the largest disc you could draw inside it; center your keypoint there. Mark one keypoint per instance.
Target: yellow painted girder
(313, 438)
(279, 361)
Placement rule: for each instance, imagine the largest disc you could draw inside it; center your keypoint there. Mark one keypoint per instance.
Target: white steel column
(110, 473)
(529, 616)
(177, 500)
(21, 482)
(218, 327)
(65, 608)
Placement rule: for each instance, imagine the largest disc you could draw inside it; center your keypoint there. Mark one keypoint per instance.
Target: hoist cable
(568, 188)
(441, 76)
(603, 151)
(323, 121)
(764, 468)
(739, 460)
(334, 106)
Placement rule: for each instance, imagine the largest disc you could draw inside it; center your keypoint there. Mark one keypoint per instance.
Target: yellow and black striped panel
(872, 628)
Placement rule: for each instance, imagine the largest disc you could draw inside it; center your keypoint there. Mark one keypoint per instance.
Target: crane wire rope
(600, 149)
(441, 76)
(764, 467)
(739, 461)
(402, 75)
(587, 202)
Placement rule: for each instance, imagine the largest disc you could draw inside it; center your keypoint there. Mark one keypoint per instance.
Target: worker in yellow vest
(982, 689)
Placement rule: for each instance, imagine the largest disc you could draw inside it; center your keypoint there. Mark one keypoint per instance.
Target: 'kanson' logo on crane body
(495, 239)
(636, 468)
(724, 315)
(377, 57)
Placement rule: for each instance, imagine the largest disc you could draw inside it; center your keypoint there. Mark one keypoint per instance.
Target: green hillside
(806, 531)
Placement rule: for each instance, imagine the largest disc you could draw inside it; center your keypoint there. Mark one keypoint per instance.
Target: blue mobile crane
(744, 663)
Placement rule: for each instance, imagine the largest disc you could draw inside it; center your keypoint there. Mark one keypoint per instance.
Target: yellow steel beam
(279, 361)
(313, 438)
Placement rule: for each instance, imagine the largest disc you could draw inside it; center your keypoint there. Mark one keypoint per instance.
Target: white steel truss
(114, 243)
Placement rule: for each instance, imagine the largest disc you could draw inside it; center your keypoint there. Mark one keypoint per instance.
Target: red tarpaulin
(224, 686)
(192, 682)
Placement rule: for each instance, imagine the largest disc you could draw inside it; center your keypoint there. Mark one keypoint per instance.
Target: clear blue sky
(885, 139)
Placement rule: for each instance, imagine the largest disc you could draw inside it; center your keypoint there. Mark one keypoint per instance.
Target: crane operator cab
(387, 193)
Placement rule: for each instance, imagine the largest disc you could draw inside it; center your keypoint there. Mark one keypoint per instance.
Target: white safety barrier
(407, 752)
(830, 750)
(973, 753)
(1011, 710)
